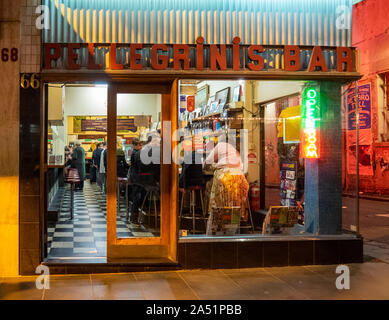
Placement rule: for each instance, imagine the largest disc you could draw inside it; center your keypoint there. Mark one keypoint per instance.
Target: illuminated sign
(310, 112)
(198, 57)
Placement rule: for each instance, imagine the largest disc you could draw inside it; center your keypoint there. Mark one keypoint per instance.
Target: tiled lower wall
(250, 254)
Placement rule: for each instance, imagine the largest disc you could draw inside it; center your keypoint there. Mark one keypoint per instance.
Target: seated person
(192, 172)
(122, 166)
(144, 172)
(136, 146)
(149, 164)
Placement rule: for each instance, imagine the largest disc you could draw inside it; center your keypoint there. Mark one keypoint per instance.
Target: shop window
(383, 107)
(221, 156)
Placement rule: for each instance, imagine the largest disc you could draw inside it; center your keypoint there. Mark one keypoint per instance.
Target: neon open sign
(310, 124)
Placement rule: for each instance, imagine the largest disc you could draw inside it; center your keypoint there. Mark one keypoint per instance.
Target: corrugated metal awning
(267, 22)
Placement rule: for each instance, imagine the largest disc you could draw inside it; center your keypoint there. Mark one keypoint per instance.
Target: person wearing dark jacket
(103, 169)
(121, 164)
(192, 172)
(144, 174)
(149, 166)
(136, 190)
(94, 163)
(78, 162)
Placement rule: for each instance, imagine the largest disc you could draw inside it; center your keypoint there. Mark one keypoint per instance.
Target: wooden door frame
(164, 246)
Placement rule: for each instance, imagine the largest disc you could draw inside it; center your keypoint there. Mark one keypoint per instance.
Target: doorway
(114, 206)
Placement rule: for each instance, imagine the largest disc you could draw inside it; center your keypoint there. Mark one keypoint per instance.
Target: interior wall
(56, 94)
(271, 90)
(92, 101)
(217, 85)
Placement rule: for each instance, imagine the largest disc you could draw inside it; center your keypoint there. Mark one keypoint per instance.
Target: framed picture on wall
(236, 94)
(220, 107)
(201, 97)
(210, 100)
(214, 106)
(223, 95)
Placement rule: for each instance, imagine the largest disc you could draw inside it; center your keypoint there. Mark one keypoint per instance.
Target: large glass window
(138, 165)
(76, 186)
(77, 159)
(241, 171)
(383, 106)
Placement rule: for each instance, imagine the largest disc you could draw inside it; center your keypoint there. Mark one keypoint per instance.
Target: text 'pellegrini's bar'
(199, 57)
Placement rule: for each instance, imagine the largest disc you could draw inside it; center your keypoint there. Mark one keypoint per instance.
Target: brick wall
(370, 35)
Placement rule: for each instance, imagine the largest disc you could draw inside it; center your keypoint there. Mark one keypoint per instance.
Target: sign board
(365, 133)
(100, 125)
(252, 157)
(190, 103)
(141, 121)
(364, 108)
(199, 57)
(310, 119)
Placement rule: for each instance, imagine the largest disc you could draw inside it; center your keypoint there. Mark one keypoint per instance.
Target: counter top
(55, 166)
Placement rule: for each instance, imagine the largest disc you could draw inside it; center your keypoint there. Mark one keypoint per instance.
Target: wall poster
(365, 134)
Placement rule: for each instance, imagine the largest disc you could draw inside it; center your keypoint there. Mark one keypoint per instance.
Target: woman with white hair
(229, 187)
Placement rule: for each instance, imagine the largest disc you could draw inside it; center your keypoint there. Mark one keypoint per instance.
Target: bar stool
(192, 205)
(152, 194)
(72, 178)
(122, 182)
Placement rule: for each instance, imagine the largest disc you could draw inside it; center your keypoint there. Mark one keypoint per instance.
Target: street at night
(194, 157)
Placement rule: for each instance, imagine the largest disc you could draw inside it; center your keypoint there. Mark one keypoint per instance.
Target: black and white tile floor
(85, 236)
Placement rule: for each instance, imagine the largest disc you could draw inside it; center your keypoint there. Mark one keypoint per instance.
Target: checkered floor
(85, 235)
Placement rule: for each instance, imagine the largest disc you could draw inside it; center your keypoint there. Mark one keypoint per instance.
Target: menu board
(100, 125)
(288, 187)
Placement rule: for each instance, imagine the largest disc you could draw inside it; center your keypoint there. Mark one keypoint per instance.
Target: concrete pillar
(323, 176)
(17, 30)
(9, 137)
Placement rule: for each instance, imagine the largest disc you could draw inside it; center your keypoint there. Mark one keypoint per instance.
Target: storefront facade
(136, 50)
(374, 140)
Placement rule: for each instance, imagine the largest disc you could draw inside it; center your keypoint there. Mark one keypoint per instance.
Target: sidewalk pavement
(369, 280)
(368, 196)
(376, 250)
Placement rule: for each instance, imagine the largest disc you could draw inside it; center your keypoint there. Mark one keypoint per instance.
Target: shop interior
(77, 170)
(240, 169)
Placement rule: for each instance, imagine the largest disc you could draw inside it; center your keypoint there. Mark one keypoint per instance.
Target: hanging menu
(100, 125)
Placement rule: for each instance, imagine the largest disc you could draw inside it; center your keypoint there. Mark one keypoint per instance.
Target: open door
(141, 205)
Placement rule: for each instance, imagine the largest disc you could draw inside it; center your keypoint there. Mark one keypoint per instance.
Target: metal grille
(267, 22)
